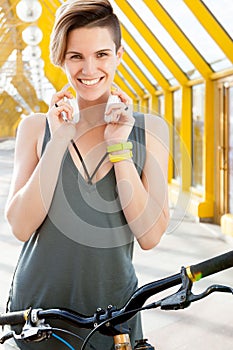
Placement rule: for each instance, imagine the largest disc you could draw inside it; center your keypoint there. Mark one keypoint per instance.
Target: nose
(89, 66)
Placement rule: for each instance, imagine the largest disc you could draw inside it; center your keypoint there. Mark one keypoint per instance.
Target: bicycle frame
(107, 321)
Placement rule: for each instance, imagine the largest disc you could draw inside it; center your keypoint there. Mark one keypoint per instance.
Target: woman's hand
(58, 126)
(121, 120)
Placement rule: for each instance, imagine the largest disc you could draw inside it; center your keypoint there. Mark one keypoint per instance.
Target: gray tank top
(81, 256)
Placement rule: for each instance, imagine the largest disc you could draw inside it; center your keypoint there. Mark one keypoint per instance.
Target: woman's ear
(120, 53)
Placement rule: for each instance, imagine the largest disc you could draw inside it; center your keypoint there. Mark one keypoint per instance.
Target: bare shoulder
(31, 131)
(33, 122)
(156, 129)
(28, 141)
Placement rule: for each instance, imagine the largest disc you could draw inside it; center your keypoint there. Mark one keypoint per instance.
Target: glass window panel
(127, 83)
(223, 11)
(177, 112)
(173, 81)
(141, 66)
(186, 20)
(198, 98)
(221, 64)
(129, 70)
(161, 106)
(142, 42)
(162, 35)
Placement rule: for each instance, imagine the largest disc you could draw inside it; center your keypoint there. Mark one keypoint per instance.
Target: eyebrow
(79, 53)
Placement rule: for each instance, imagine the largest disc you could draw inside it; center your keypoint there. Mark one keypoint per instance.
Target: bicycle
(107, 321)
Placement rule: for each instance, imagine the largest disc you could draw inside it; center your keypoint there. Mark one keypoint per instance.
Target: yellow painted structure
(146, 93)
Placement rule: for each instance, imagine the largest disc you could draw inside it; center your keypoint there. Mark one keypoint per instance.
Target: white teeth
(90, 82)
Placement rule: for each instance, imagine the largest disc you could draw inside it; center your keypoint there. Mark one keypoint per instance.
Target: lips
(90, 82)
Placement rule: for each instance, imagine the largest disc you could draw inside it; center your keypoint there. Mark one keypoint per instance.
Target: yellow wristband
(119, 157)
(120, 147)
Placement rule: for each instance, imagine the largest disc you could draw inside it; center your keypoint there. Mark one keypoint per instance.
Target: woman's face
(91, 61)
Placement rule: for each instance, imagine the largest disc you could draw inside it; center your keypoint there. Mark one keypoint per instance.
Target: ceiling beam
(139, 73)
(145, 59)
(154, 43)
(179, 37)
(212, 26)
(130, 79)
(122, 83)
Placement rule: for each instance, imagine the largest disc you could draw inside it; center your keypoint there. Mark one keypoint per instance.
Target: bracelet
(120, 147)
(114, 158)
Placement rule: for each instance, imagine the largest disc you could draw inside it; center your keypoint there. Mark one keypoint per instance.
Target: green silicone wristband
(120, 147)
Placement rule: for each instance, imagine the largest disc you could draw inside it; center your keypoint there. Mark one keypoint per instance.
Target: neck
(92, 112)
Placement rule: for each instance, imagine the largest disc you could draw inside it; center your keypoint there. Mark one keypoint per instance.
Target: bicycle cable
(69, 333)
(63, 341)
(147, 307)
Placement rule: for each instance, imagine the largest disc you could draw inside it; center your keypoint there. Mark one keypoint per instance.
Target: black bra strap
(98, 165)
(82, 161)
(84, 165)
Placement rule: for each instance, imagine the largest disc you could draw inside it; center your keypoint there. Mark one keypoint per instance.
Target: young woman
(83, 192)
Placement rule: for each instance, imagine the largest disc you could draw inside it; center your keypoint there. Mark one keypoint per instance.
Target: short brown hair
(77, 14)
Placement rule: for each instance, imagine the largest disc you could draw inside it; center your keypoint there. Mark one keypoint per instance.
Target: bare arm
(35, 177)
(145, 202)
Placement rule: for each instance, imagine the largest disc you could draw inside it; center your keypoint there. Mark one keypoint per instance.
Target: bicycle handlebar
(136, 301)
(210, 267)
(14, 318)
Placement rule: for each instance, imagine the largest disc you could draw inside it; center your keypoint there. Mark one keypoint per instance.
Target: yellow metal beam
(154, 104)
(145, 59)
(9, 115)
(139, 74)
(6, 47)
(10, 30)
(26, 90)
(168, 116)
(206, 208)
(54, 74)
(185, 140)
(122, 84)
(131, 80)
(158, 48)
(222, 74)
(210, 24)
(182, 41)
(43, 107)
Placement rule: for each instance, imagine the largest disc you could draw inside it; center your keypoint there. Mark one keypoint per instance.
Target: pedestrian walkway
(205, 325)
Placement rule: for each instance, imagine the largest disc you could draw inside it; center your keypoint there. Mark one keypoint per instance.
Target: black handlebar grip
(14, 318)
(211, 266)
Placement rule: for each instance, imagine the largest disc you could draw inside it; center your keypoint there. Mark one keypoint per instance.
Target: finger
(119, 108)
(115, 116)
(112, 107)
(63, 112)
(118, 114)
(124, 98)
(60, 95)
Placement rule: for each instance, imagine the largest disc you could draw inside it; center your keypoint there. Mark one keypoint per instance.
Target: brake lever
(34, 334)
(6, 337)
(211, 289)
(184, 296)
(29, 333)
(180, 299)
(34, 330)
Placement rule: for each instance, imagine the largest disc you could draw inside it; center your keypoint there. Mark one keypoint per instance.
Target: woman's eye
(102, 54)
(75, 57)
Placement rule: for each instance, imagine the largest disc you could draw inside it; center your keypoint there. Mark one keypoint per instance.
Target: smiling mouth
(90, 82)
